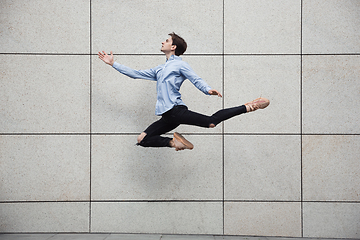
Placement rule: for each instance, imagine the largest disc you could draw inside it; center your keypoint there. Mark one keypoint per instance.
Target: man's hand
(108, 59)
(214, 92)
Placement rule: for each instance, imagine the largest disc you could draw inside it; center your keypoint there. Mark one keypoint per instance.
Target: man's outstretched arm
(149, 74)
(108, 59)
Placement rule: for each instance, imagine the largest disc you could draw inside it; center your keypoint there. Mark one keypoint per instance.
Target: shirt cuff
(115, 65)
(207, 90)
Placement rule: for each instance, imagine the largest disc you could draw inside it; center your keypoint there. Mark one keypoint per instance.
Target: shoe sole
(180, 138)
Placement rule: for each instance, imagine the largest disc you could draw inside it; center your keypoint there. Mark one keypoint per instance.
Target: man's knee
(211, 125)
(141, 137)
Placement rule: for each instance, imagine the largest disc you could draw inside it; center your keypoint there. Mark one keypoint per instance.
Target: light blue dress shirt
(169, 77)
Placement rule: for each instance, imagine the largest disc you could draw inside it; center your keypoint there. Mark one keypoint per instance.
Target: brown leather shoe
(259, 103)
(181, 143)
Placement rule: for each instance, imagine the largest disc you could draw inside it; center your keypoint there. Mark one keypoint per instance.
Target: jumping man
(169, 106)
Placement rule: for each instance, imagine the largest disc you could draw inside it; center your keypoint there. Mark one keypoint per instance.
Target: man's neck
(168, 55)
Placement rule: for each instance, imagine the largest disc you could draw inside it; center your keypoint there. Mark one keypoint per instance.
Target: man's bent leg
(169, 121)
(178, 142)
(155, 141)
(151, 136)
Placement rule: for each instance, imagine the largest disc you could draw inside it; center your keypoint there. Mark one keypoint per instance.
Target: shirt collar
(173, 57)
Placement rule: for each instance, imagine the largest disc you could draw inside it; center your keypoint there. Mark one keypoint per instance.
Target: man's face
(166, 45)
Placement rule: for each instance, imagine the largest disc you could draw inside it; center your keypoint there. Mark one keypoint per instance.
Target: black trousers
(181, 115)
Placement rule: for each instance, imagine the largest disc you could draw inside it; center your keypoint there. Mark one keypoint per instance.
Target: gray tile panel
(267, 171)
(124, 19)
(44, 217)
(331, 27)
(274, 77)
(263, 218)
(253, 27)
(330, 168)
(45, 27)
(44, 168)
(47, 94)
(157, 217)
(331, 220)
(331, 94)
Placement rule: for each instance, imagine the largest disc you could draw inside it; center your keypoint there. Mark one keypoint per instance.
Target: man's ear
(173, 47)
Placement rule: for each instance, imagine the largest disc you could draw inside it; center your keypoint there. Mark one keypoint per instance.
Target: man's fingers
(215, 92)
(104, 54)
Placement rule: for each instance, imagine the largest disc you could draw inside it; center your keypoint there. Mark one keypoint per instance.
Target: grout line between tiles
(301, 121)
(179, 201)
(223, 124)
(184, 133)
(90, 127)
(190, 54)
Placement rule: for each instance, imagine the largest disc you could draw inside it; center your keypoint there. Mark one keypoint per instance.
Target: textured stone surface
(331, 26)
(331, 99)
(274, 77)
(268, 170)
(263, 219)
(44, 217)
(44, 94)
(45, 26)
(123, 171)
(140, 27)
(44, 168)
(262, 26)
(331, 167)
(157, 217)
(331, 220)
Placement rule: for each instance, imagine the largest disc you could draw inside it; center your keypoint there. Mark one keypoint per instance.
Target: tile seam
(184, 133)
(90, 126)
(184, 201)
(301, 121)
(223, 124)
(190, 54)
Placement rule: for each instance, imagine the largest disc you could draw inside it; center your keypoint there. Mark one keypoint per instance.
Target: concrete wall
(69, 122)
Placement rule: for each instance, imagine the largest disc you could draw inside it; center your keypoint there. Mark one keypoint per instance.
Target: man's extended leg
(184, 116)
(197, 119)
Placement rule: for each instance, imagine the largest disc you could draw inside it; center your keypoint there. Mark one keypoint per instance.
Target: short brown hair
(179, 42)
